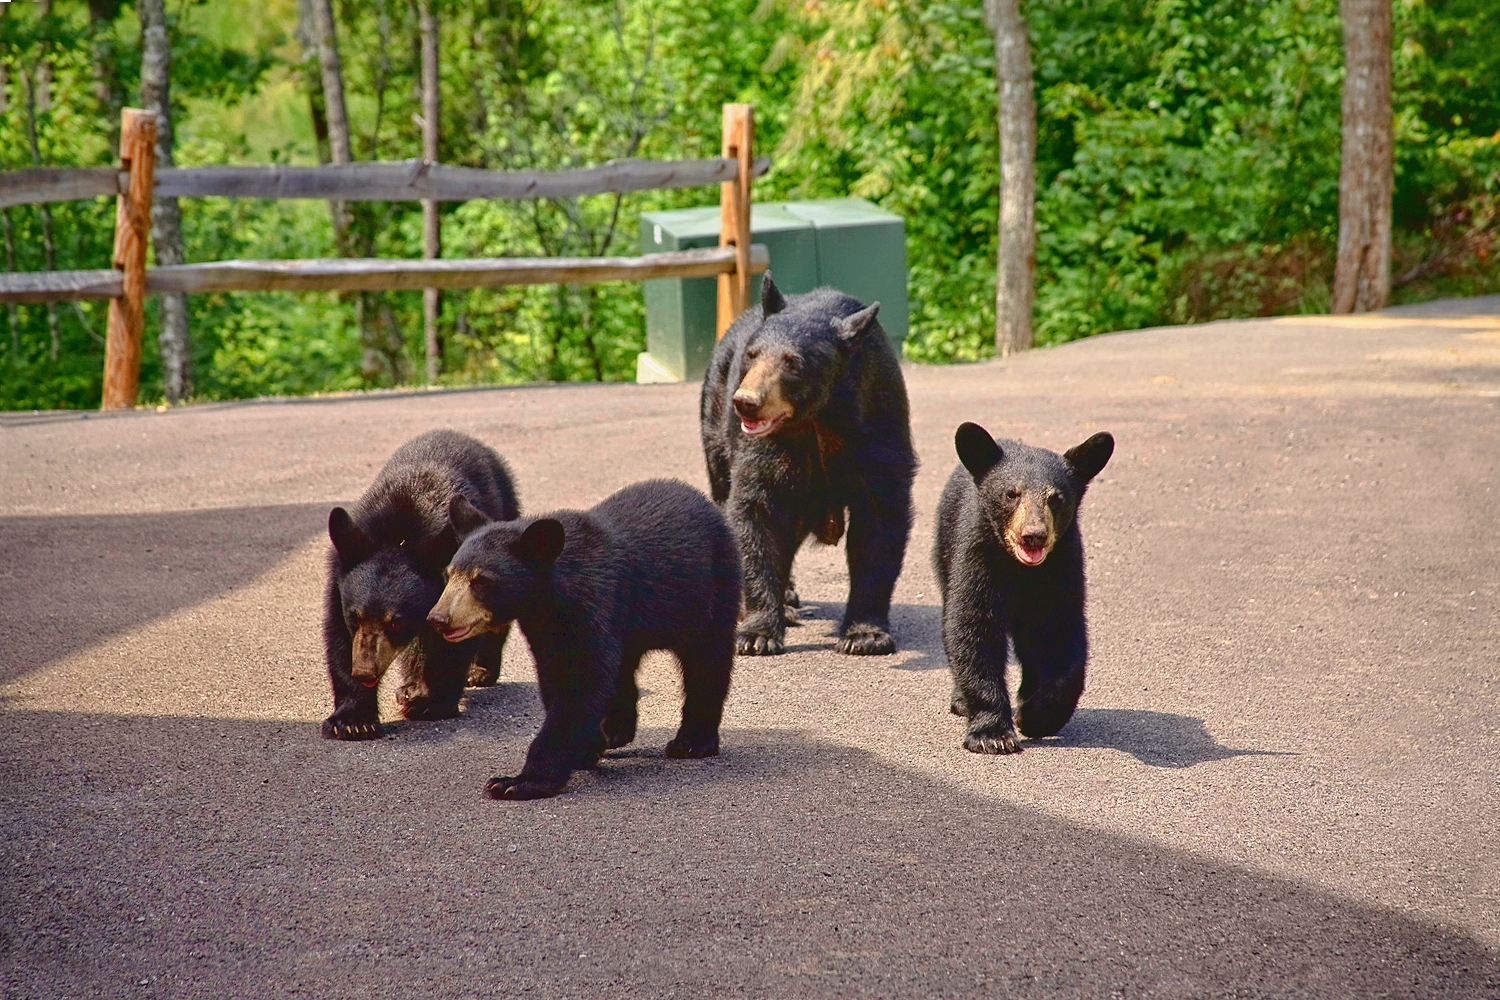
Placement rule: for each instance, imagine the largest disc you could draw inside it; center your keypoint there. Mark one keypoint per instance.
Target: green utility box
(844, 242)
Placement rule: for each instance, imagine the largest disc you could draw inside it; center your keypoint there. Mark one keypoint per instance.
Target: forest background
(1187, 164)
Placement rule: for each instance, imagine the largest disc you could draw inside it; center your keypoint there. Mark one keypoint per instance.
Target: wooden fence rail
(377, 274)
(136, 182)
(403, 180)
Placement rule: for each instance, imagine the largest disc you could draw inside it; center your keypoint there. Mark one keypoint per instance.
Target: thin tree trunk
(1016, 263)
(339, 147)
(49, 249)
(1362, 274)
(166, 216)
(432, 236)
(11, 315)
(106, 80)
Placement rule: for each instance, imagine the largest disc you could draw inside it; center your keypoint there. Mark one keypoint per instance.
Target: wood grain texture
(341, 274)
(734, 212)
(122, 339)
(405, 180)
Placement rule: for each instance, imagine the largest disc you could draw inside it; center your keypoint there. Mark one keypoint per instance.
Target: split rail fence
(136, 181)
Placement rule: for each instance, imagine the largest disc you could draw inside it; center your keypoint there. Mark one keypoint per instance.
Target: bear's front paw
(519, 788)
(688, 747)
(424, 709)
(866, 640)
(482, 677)
(790, 598)
(336, 728)
(756, 644)
(996, 739)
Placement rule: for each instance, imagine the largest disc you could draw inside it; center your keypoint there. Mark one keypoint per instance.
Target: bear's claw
(688, 748)
(520, 788)
(992, 741)
(481, 677)
(755, 644)
(866, 640)
(348, 731)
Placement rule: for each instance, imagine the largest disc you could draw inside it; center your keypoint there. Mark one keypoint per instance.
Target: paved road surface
(1282, 781)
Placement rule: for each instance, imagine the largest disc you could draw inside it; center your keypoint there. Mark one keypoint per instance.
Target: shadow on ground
(1157, 739)
(172, 857)
(69, 582)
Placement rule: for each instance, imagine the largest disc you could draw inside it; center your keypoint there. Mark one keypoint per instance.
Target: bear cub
(653, 566)
(804, 420)
(385, 572)
(1009, 561)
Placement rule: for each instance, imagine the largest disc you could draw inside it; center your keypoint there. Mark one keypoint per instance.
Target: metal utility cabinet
(848, 243)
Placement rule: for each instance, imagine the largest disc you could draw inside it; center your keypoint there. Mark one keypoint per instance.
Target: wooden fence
(136, 181)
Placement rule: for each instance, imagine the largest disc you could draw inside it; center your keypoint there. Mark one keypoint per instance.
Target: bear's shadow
(1156, 739)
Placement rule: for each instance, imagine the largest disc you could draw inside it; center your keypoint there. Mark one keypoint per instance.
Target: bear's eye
(1056, 500)
(1014, 493)
(752, 353)
(792, 362)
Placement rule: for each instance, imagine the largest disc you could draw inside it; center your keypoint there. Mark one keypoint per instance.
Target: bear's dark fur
(1009, 560)
(385, 573)
(653, 566)
(804, 417)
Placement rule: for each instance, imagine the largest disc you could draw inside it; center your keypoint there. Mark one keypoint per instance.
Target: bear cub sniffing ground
(653, 566)
(804, 418)
(1009, 561)
(385, 573)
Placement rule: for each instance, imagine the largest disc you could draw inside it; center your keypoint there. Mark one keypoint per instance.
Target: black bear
(1009, 561)
(385, 573)
(653, 566)
(804, 418)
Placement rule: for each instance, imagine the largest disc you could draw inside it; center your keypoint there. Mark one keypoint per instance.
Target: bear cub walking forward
(653, 566)
(1009, 561)
(385, 572)
(804, 417)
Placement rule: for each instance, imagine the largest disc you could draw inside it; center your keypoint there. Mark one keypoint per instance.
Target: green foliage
(1187, 164)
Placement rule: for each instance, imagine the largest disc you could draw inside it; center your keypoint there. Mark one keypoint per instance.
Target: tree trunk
(49, 249)
(166, 217)
(1016, 263)
(106, 75)
(1362, 275)
(432, 235)
(339, 146)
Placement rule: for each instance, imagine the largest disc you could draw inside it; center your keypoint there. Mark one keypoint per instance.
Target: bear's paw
(693, 747)
(521, 788)
(866, 640)
(992, 740)
(756, 644)
(335, 728)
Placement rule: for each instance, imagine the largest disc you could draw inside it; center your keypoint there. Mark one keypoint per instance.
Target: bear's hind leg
(1052, 676)
(706, 670)
(876, 546)
(435, 693)
(485, 670)
(620, 721)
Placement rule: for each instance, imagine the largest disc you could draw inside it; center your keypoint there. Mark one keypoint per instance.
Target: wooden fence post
(122, 345)
(734, 212)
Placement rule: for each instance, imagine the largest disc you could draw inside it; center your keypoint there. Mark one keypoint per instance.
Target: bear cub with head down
(1009, 561)
(653, 566)
(385, 573)
(804, 419)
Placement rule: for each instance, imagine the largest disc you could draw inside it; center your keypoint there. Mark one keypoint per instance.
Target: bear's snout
(1035, 539)
(747, 405)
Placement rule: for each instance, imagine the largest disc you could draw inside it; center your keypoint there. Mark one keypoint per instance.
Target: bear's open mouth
(457, 633)
(760, 428)
(1031, 557)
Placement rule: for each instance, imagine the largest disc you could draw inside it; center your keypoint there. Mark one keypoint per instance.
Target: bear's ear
(541, 542)
(352, 544)
(849, 327)
(1088, 459)
(464, 516)
(771, 301)
(976, 449)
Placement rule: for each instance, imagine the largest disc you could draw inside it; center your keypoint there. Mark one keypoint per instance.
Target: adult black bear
(653, 566)
(1009, 560)
(385, 573)
(804, 417)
